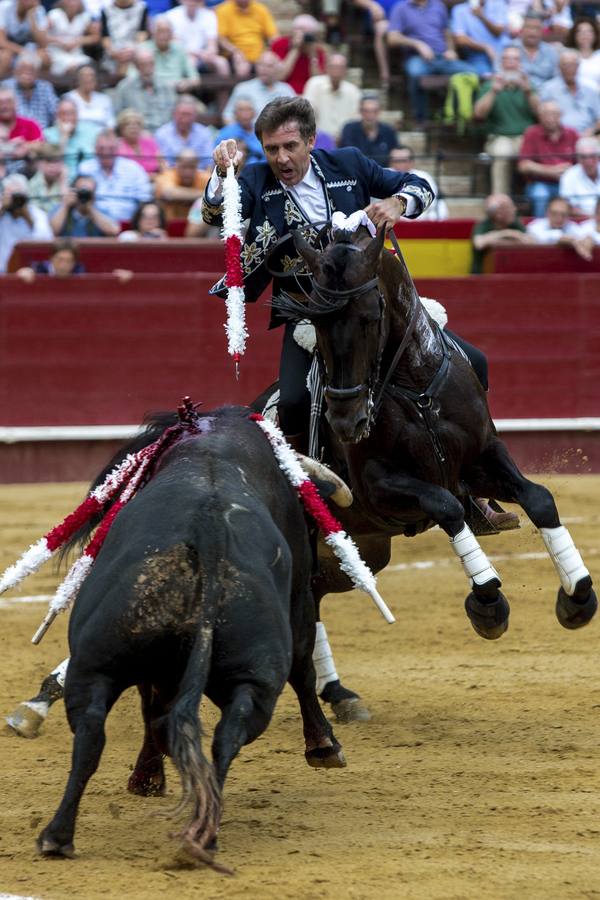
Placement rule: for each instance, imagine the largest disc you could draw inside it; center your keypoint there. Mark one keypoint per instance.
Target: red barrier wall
(95, 351)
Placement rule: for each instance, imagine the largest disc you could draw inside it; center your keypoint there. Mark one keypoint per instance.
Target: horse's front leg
(397, 495)
(497, 475)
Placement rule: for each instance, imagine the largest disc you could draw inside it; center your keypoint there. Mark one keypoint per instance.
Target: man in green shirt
(172, 65)
(506, 105)
(500, 228)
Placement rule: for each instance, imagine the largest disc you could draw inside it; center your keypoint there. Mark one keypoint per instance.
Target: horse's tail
(201, 795)
(155, 425)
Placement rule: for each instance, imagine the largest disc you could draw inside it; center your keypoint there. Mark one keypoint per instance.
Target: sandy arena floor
(477, 778)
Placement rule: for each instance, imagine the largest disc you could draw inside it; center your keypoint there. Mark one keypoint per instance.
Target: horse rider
(300, 187)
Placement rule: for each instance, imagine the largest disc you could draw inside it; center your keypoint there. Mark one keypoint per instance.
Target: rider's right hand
(226, 154)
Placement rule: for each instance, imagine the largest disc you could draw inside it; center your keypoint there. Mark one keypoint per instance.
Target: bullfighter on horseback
(299, 187)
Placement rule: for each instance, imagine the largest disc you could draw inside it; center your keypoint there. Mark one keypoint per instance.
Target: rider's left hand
(386, 212)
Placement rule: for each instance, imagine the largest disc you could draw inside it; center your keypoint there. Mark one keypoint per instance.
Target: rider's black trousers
(294, 399)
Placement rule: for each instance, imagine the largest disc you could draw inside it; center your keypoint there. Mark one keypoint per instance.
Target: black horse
(178, 603)
(407, 425)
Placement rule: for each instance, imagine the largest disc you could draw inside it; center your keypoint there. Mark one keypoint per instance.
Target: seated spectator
(580, 184)
(137, 144)
(301, 55)
(62, 263)
(148, 223)
(71, 27)
(374, 138)
(242, 129)
(260, 90)
(246, 28)
(172, 65)
(184, 131)
(124, 24)
(180, 186)
(584, 38)
(22, 27)
(20, 220)
(507, 105)
(500, 227)
(480, 29)
(557, 228)
(580, 105)
(590, 228)
(142, 91)
(36, 98)
(334, 99)
(539, 60)
(77, 214)
(17, 134)
(421, 28)
(50, 182)
(195, 29)
(76, 139)
(92, 106)
(558, 19)
(548, 150)
(401, 159)
(378, 14)
(120, 183)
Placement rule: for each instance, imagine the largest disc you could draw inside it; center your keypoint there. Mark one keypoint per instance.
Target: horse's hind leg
(89, 702)
(30, 715)
(497, 471)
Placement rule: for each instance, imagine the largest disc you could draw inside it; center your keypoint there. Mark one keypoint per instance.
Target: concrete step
(416, 140)
(455, 185)
(465, 207)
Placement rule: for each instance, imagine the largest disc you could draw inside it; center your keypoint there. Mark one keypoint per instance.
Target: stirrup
(479, 523)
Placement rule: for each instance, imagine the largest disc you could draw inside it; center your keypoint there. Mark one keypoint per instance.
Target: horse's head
(348, 309)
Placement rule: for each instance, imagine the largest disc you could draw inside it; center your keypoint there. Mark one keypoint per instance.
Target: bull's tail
(201, 798)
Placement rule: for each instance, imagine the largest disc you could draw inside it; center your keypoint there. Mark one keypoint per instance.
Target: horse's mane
(155, 424)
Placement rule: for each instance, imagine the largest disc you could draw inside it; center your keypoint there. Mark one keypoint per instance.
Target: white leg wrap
(565, 556)
(323, 659)
(474, 561)
(61, 671)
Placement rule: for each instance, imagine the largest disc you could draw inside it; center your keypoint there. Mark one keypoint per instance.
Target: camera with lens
(84, 195)
(309, 38)
(17, 202)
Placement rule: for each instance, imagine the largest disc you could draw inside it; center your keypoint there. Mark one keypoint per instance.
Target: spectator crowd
(103, 134)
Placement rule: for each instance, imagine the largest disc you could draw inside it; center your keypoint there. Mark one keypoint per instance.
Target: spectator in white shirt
(195, 28)
(334, 99)
(71, 27)
(557, 228)
(580, 184)
(590, 229)
(20, 220)
(121, 184)
(92, 106)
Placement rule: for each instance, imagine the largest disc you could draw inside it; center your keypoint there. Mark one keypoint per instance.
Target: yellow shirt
(248, 29)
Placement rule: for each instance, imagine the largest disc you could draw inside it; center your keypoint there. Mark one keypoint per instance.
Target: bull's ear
(308, 253)
(373, 251)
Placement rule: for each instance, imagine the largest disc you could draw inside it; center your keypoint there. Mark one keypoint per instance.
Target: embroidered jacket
(349, 182)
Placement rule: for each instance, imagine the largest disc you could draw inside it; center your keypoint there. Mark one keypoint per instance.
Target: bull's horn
(342, 496)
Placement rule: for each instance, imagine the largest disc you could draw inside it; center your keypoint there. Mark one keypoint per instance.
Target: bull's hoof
(578, 610)
(147, 784)
(26, 721)
(490, 620)
(326, 757)
(351, 709)
(47, 846)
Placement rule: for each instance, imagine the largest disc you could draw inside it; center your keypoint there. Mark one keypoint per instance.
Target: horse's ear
(373, 251)
(308, 253)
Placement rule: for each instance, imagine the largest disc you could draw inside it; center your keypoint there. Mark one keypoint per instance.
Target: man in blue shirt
(184, 132)
(36, 98)
(241, 129)
(480, 29)
(373, 138)
(121, 184)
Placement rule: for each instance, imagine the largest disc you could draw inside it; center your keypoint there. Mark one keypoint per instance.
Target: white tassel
(29, 563)
(67, 591)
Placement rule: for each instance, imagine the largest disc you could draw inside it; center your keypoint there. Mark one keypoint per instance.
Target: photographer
(77, 216)
(301, 54)
(20, 220)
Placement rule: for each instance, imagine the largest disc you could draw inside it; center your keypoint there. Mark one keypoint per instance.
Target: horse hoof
(326, 757)
(25, 721)
(490, 620)
(47, 846)
(147, 785)
(351, 709)
(572, 612)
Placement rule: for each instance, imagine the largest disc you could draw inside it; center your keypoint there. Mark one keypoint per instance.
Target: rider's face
(288, 154)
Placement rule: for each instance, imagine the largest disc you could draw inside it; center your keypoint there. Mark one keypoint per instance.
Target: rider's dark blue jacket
(350, 180)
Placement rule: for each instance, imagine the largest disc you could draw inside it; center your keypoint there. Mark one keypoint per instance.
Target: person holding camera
(301, 55)
(507, 105)
(20, 220)
(77, 215)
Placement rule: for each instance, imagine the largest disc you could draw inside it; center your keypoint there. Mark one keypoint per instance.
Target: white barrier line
(499, 557)
(32, 598)
(16, 897)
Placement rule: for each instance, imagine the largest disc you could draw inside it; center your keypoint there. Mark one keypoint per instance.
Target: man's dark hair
(135, 219)
(287, 109)
(65, 244)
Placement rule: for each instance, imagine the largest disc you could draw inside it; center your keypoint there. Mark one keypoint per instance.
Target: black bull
(202, 587)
